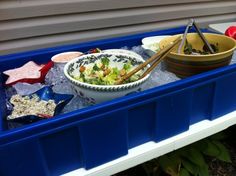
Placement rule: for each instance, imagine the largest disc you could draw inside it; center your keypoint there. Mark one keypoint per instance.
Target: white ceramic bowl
(100, 93)
(65, 57)
(122, 51)
(151, 44)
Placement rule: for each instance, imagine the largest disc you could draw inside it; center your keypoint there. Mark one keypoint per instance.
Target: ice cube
(10, 91)
(64, 88)
(139, 50)
(158, 77)
(57, 79)
(233, 61)
(55, 75)
(26, 89)
(75, 104)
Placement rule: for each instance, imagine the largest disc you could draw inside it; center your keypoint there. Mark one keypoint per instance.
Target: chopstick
(163, 55)
(158, 57)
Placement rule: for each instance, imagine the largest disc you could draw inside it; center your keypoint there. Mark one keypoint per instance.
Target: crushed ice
(233, 61)
(27, 89)
(56, 78)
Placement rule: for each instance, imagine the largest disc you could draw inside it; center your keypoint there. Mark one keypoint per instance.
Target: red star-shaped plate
(29, 73)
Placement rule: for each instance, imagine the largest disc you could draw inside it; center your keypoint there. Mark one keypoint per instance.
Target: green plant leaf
(168, 165)
(175, 159)
(224, 154)
(157, 172)
(190, 167)
(183, 172)
(211, 149)
(151, 167)
(203, 171)
(218, 136)
(200, 145)
(195, 156)
(147, 169)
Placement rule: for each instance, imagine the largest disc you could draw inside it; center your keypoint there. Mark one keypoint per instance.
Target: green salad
(104, 73)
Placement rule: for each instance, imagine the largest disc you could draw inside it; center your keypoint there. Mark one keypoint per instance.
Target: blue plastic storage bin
(92, 136)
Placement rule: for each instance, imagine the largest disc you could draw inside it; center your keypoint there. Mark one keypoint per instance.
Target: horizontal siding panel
(16, 29)
(77, 37)
(16, 9)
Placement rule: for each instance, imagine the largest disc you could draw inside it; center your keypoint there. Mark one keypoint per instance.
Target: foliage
(189, 160)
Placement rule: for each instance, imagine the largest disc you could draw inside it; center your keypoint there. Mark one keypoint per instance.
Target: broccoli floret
(115, 71)
(82, 77)
(96, 68)
(105, 61)
(127, 66)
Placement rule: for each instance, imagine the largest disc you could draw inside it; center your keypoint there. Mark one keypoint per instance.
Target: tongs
(156, 59)
(191, 24)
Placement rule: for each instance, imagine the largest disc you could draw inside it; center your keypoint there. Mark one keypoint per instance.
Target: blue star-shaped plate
(46, 93)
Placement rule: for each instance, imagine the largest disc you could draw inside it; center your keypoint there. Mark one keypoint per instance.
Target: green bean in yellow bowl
(194, 58)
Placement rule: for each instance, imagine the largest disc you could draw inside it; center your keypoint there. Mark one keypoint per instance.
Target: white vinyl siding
(33, 24)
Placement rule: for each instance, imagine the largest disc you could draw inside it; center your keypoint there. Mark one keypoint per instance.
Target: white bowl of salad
(151, 45)
(95, 76)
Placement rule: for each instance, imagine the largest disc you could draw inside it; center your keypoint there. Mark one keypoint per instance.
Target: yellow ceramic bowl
(184, 65)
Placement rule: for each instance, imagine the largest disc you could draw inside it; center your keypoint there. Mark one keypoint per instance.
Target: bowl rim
(209, 55)
(64, 53)
(103, 87)
(153, 39)
(121, 51)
